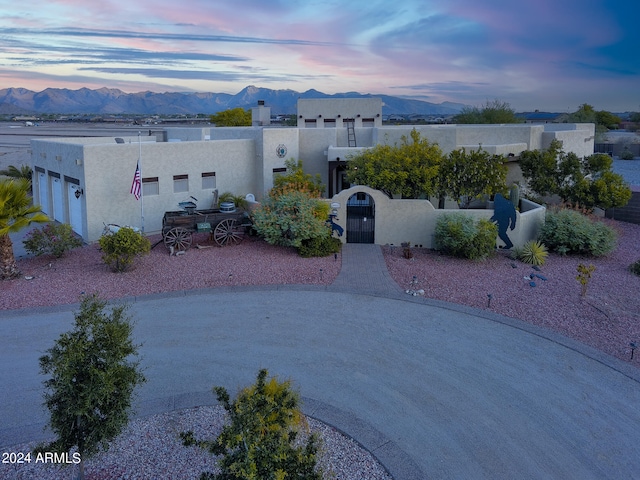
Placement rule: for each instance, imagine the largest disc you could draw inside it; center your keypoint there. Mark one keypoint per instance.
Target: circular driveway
(435, 391)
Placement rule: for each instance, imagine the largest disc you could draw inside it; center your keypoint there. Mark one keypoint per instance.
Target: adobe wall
(398, 221)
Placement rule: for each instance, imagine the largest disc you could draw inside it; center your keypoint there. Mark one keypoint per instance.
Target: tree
(12, 171)
(603, 120)
(234, 117)
(16, 213)
(589, 182)
(492, 112)
(409, 169)
(259, 442)
(607, 120)
(585, 114)
(540, 168)
(465, 176)
(296, 180)
(93, 373)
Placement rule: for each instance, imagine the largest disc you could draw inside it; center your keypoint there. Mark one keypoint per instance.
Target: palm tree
(12, 171)
(16, 213)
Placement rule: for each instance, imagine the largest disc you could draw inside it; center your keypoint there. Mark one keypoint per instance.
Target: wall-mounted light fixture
(358, 115)
(79, 192)
(59, 157)
(319, 116)
(300, 116)
(339, 116)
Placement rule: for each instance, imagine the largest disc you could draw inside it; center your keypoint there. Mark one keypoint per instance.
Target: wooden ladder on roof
(351, 132)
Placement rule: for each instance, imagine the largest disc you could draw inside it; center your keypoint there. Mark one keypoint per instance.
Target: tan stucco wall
(339, 109)
(398, 221)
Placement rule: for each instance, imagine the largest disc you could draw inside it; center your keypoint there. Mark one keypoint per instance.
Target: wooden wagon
(226, 225)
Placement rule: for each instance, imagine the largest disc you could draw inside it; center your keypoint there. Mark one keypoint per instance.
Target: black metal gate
(360, 218)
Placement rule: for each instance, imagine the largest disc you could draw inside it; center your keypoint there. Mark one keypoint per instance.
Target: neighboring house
(86, 181)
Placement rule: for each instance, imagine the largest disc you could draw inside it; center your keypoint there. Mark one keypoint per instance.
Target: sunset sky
(534, 54)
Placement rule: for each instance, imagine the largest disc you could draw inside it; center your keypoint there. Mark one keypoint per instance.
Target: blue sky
(533, 54)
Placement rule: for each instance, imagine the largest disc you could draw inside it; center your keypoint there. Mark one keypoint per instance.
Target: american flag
(136, 186)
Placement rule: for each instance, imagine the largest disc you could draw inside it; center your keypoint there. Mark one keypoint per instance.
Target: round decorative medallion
(281, 150)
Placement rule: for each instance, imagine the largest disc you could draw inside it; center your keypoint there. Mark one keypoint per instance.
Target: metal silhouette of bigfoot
(505, 216)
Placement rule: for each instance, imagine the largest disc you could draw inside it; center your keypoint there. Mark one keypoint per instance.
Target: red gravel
(607, 318)
(253, 262)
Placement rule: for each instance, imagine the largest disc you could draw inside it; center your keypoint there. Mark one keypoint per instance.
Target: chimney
(260, 115)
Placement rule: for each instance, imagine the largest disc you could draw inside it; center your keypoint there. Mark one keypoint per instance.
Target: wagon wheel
(228, 232)
(178, 238)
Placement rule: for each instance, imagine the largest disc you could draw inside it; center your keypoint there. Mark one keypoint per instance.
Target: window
(208, 180)
(330, 123)
(368, 122)
(277, 172)
(180, 183)
(310, 123)
(150, 186)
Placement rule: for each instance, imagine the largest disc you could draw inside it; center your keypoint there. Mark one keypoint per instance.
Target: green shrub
(120, 249)
(570, 232)
(635, 268)
(533, 253)
(52, 239)
(260, 441)
(319, 246)
(459, 235)
(92, 373)
(626, 154)
(291, 218)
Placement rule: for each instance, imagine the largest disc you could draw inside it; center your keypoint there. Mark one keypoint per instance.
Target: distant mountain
(109, 101)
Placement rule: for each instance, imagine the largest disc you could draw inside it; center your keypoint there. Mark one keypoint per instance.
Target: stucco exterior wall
(313, 145)
(273, 141)
(398, 221)
(339, 109)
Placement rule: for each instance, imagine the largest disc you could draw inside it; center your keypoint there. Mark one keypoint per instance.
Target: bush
(533, 253)
(626, 154)
(291, 218)
(570, 232)
(635, 268)
(52, 239)
(460, 235)
(319, 247)
(260, 442)
(120, 249)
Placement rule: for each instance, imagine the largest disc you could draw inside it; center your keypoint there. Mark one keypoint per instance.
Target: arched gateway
(361, 218)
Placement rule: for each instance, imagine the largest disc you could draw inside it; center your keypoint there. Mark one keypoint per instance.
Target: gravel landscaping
(607, 317)
(151, 449)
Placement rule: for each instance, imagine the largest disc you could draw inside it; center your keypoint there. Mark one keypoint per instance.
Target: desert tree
(92, 373)
(467, 175)
(409, 169)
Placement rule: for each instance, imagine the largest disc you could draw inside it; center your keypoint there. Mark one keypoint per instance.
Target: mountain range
(110, 101)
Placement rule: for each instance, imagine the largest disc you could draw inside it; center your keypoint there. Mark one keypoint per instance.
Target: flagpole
(141, 192)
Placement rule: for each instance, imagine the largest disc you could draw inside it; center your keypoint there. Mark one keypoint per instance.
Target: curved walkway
(434, 390)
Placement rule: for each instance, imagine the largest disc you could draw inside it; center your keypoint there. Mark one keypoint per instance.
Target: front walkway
(364, 271)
